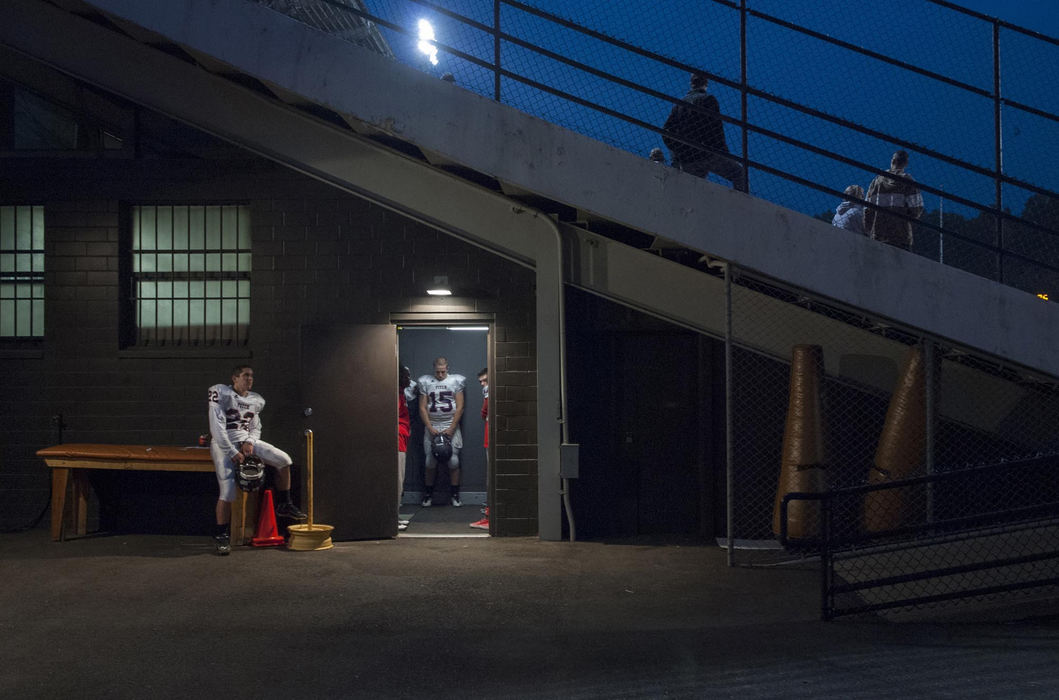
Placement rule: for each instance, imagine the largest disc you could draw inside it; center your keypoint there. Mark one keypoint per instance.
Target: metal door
(349, 380)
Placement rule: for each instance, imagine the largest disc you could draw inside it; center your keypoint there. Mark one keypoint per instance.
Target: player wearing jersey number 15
(440, 409)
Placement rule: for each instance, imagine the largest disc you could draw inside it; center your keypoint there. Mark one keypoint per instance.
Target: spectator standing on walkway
(897, 203)
(694, 135)
(850, 213)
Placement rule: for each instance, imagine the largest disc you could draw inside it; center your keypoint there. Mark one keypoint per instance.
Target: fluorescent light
(440, 287)
(466, 328)
(426, 41)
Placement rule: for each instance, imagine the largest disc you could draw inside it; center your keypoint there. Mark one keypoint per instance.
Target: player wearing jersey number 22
(235, 428)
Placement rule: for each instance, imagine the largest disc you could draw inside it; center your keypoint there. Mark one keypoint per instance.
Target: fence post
(999, 152)
(742, 92)
(729, 469)
(941, 225)
(930, 408)
(825, 557)
(496, 50)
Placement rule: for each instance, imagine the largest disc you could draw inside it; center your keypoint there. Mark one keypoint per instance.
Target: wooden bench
(68, 463)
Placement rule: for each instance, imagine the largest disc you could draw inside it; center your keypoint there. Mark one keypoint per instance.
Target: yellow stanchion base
(310, 538)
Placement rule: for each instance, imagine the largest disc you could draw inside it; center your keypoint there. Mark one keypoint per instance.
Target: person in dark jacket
(694, 135)
(897, 203)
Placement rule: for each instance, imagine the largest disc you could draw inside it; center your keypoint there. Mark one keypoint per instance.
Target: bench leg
(68, 514)
(245, 510)
(241, 537)
(79, 516)
(59, 478)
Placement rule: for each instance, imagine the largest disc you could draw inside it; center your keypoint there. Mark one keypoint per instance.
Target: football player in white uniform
(235, 426)
(440, 408)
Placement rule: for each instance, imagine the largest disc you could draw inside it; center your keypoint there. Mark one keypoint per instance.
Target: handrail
(1006, 25)
(870, 54)
(970, 473)
(851, 543)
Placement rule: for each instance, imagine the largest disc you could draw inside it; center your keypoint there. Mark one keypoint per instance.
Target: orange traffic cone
(267, 535)
(901, 449)
(803, 461)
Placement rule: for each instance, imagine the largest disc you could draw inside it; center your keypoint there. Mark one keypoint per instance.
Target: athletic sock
(283, 497)
(220, 530)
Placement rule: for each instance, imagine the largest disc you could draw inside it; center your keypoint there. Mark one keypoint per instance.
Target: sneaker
(482, 524)
(289, 510)
(427, 502)
(402, 524)
(456, 502)
(402, 521)
(224, 544)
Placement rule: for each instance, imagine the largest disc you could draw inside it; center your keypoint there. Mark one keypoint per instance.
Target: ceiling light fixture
(440, 288)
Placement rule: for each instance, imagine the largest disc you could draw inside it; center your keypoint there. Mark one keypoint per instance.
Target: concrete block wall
(515, 416)
(320, 256)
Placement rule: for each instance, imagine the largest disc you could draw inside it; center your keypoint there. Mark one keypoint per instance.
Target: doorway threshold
(440, 522)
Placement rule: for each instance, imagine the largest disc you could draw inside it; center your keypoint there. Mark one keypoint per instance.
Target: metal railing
(815, 110)
(975, 533)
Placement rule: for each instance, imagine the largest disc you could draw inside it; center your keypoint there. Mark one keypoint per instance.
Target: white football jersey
(441, 397)
(411, 392)
(234, 418)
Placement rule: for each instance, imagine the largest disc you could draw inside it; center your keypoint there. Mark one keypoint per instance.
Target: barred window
(191, 275)
(21, 272)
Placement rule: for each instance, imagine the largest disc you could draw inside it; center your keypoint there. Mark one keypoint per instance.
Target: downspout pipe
(553, 227)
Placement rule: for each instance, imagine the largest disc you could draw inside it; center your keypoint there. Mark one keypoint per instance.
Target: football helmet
(441, 448)
(251, 474)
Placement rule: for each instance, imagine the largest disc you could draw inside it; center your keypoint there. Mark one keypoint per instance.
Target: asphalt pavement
(135, 616)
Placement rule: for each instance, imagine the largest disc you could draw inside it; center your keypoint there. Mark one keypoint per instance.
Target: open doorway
(466, 347)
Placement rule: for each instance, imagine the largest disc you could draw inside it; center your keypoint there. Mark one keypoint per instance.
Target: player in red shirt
(483, 379)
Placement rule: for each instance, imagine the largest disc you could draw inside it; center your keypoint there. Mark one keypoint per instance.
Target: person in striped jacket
(895, 203)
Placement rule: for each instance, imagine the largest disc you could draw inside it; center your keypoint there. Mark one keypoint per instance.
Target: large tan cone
(900, 451)
(802, 466)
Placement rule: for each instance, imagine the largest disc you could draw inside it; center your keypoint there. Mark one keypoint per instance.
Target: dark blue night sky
(789, 65)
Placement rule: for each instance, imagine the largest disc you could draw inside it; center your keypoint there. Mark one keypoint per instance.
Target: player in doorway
(440, 408)
(404, 430)
(235, 426)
